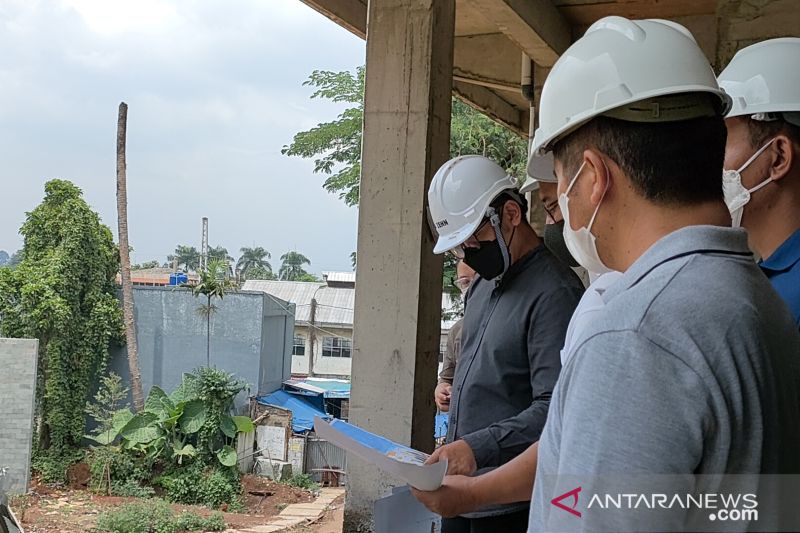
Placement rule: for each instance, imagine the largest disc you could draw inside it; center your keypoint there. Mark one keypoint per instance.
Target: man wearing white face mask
(691, 367)
(763, 194)
(542, 180)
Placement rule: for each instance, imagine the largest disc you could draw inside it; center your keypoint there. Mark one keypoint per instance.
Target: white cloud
(214, 89)
(108, 17)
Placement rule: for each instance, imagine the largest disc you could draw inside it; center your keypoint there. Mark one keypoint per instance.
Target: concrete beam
(399, 280)
(742, 23)
(536, 26)
(476, 61)
(349, 14)
(582, 13)
(493, 105)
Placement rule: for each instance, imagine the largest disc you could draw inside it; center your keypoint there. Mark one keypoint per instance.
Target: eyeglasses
(550, 211)
(462, 283)
(458, 251)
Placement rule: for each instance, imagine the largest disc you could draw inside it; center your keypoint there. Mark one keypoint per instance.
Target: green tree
(251, 259)
(220, 253)
(213, 283)
(14, 260)
(146, 265)
(335, 146)
(260, 272)
(63, 292)
(186, 256)
(292, 264)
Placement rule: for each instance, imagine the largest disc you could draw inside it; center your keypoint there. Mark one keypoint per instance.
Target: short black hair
(762, 131)
(669, 163)
(515, 196)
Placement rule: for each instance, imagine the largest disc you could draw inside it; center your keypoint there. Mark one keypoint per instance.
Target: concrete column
(399, 281)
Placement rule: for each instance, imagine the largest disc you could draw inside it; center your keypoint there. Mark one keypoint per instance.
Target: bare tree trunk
(208, 335)
(125, 261)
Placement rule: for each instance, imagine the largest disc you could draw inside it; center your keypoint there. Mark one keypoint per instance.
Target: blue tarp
(441, 426)
(303, 410)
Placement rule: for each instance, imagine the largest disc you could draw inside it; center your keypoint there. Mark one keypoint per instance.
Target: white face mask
(581, 243)
(736, 196)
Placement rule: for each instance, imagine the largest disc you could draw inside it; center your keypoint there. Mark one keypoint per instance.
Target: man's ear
(598, 172)
(785, 155)
(512, 212)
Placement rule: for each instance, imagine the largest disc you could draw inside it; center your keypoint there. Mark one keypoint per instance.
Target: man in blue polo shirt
(763, 193)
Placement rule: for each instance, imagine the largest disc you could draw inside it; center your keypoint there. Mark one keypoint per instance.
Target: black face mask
(487, 260)
(490, 259)
(554, 241)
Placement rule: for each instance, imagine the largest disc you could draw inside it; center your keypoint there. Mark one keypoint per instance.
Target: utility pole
(312, 334)
(204, 246)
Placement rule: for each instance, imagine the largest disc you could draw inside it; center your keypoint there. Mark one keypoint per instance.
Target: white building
(323, 329)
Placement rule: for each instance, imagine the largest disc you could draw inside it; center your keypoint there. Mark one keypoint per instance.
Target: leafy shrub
(131, 488)
(303, 481)
(110, 397)
(52, 466)
(196, 484)
(155, 516)
(117, 463)
(193, 421)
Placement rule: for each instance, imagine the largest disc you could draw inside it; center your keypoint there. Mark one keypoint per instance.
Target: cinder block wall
(17, 390)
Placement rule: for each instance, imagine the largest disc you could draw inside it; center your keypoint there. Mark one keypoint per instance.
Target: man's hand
(442, 396)
(460, 458)
(453, 498)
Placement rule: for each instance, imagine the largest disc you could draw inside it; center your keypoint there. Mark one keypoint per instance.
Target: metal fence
(325, 462)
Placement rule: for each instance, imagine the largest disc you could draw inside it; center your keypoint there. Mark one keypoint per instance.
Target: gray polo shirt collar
(680, 243)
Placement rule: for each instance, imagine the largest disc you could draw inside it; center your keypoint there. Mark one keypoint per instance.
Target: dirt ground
(49, 509)
(330, 522)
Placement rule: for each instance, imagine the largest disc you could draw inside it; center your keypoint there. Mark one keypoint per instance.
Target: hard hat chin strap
(494, 220)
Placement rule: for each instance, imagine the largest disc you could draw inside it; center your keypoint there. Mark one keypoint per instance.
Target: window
(299, 347)
(336, 347)
(442, 348)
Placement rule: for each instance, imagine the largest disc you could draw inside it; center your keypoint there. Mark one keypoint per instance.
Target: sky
(214, 91)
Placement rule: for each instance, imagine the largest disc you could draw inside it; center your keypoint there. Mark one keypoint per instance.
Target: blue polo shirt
(783, 270)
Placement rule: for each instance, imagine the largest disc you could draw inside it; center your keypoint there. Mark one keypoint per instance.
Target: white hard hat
(764, 78)
(540, 169)
(619, 62)
(459, 195)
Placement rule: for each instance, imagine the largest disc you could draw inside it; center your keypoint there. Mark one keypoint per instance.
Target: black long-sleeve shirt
(513, 332)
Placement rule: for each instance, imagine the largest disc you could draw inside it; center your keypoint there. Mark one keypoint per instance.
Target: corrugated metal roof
(340, 277)
(334, 304)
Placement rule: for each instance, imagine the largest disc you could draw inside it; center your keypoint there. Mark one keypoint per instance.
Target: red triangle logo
(573, 494)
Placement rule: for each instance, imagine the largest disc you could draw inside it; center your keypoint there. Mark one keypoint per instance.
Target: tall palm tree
(125, 260)
(252, 258)
(188, 256)
(220, 253)
(292, 266)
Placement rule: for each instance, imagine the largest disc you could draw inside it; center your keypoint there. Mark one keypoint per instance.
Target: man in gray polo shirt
(691, 367)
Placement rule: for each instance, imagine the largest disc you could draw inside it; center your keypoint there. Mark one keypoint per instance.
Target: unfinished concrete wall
(251, 337)
(18, 360)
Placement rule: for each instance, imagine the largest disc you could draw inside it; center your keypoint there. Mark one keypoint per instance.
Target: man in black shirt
(514, 327)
